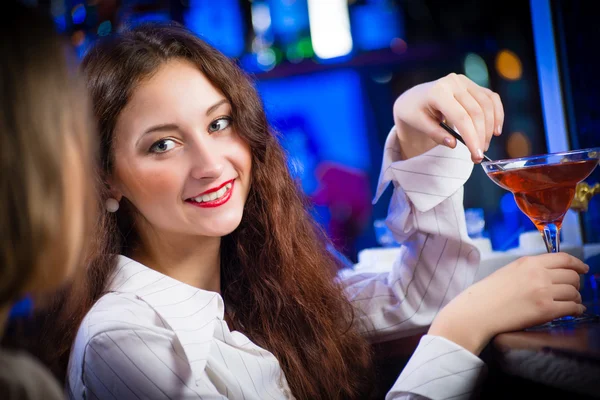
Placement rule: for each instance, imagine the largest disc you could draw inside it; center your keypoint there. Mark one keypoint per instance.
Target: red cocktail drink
(545, 192)
(544, 186)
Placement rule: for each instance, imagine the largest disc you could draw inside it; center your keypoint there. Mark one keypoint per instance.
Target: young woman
(213, 282)
(44, 150)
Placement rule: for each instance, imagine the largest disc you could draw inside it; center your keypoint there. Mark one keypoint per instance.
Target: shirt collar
(192, 313)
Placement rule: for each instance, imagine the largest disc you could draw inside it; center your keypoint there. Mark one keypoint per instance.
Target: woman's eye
(219, 124)
(162, 146)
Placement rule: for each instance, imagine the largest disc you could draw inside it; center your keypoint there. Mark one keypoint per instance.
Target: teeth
(214, 195)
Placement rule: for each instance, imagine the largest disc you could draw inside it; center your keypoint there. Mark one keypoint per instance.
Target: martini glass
(544, 187)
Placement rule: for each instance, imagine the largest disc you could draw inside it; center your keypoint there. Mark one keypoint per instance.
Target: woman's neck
(191, 260)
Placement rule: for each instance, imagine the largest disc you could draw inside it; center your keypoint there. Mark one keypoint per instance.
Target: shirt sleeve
(439, 369)
(437, 259)
(140, 364)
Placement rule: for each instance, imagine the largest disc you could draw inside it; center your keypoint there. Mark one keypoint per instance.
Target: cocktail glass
(544, 186)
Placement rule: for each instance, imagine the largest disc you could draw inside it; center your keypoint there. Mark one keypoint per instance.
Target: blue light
(375, 25)
(289, 19)
(61, 23)
(22, 308)
(155, 17)
(78, 14)
(330, 107)
(219, 23)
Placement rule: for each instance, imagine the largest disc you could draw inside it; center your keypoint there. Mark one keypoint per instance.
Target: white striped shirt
(153, 337)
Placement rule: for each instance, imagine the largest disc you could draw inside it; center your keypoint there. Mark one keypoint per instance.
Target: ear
(113, 188)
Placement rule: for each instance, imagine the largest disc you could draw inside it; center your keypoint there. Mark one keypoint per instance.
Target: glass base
(567, 321)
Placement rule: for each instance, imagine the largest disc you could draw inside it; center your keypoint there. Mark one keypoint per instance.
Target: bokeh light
(383, 78)
(398, 45)
(78, 14)
(305, 47)
(330, 28)
(509, 65)
(293, 54)
(261, 17)
(78, 38)
(104, 28)
(518, 145)
(476, 69)
(266, 59)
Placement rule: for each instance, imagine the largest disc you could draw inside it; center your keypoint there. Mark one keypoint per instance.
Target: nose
(207, 162)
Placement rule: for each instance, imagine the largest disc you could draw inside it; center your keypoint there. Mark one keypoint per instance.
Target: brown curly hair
(276, 271)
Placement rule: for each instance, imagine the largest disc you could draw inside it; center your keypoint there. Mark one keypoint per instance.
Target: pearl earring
(112, 205)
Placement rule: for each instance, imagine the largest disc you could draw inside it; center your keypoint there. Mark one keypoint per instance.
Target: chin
(223, 226)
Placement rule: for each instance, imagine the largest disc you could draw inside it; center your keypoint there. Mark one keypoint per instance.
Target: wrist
(466, 332)
(412, 141)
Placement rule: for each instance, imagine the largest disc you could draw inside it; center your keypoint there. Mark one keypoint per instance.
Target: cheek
(148, 187)
(243, 160)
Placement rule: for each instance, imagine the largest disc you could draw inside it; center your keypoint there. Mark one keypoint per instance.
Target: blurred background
(330, 70)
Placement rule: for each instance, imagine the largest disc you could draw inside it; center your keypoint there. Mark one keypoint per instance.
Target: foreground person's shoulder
(24, 378)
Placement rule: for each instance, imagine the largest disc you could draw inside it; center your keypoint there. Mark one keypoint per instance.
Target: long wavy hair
(44, 110)
(276, 271)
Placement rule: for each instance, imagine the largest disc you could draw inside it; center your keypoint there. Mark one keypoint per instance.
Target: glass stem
(551, 235)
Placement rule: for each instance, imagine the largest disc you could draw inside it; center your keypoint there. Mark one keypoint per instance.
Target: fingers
(498, 111)
(473, 108)
(476, 112)
(564, 308)
(562, 260)
(444, 101)
(431, 125)
(486, 105)
(565, 276)
(563, 292)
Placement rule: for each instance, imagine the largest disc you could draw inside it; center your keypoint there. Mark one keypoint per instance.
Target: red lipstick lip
(213, 189)
(217, 202)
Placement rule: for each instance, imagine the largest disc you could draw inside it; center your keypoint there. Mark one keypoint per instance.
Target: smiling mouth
(214, 198)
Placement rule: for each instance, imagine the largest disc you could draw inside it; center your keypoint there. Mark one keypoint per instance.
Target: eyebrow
(172, 127)
(218, 104)
(161, 128)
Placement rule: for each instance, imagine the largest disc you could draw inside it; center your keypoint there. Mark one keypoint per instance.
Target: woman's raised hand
(475, 111)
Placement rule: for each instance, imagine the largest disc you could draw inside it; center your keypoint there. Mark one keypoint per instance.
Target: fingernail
(499, 129)
(448, 142)
(480, 153)
(587, 268)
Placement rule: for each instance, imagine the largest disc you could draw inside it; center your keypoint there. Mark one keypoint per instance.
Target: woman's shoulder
(115, 314)
(120, 311)
(24, 378)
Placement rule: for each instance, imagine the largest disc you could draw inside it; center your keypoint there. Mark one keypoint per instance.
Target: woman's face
(177, 158)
